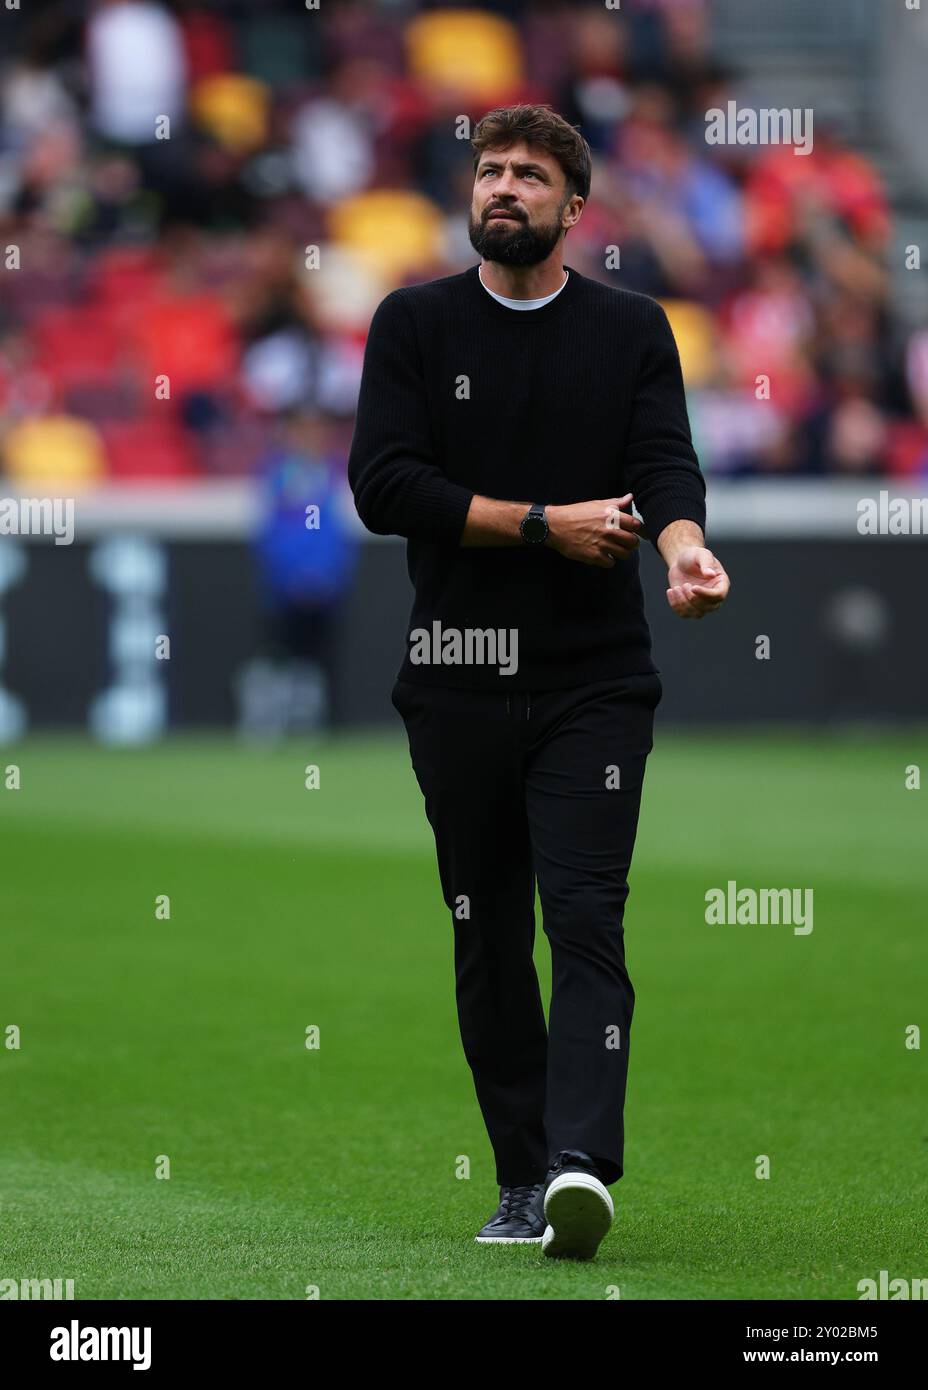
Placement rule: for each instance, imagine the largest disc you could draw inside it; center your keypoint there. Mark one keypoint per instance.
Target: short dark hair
(537, 125)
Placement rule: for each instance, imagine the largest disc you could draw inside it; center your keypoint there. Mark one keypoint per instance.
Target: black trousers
(542, 786)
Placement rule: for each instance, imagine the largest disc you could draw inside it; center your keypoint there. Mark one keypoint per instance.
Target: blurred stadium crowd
(313, 161)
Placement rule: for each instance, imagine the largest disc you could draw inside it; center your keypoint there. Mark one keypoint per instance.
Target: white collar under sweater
(523, 303)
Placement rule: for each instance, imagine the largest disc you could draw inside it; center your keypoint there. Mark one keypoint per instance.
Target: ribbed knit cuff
(669, 509)
(442, 507)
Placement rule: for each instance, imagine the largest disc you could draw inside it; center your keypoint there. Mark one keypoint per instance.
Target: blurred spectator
(306, 561)
(137, 69)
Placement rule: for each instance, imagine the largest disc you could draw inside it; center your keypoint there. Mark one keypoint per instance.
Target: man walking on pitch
(508, 419)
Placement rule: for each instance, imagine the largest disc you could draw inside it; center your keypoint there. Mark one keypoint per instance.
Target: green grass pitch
(335, 1168)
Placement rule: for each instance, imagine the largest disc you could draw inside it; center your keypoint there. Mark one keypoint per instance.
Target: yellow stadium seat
(233, 108)
(391, 230)
(477, 53)
(694, 331)
(58, 450)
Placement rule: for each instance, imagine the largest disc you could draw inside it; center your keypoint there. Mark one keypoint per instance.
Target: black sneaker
(519, 1218)
(577, 1207)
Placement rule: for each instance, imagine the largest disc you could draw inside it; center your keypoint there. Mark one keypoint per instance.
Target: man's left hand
(697, 583)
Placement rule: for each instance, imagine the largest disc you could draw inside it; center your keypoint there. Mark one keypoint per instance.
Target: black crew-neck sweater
(579, 399)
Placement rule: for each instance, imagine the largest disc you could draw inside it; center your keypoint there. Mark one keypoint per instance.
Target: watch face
(534, 529)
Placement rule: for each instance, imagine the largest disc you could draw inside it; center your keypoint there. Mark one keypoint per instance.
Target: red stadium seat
(76, 345)
(142, 451)
(189, 339)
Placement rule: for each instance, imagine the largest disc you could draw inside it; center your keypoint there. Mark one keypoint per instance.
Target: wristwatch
(534, 525)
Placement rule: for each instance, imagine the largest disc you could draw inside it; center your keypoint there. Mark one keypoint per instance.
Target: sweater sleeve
(660, 464)
(398, 487)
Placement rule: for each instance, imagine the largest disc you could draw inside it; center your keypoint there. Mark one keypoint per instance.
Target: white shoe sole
(579, 1212)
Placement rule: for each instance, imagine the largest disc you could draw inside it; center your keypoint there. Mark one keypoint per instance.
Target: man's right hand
(595, 533)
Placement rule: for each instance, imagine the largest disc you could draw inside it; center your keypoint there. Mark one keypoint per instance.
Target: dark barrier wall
(844, 619)
(845, 622)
